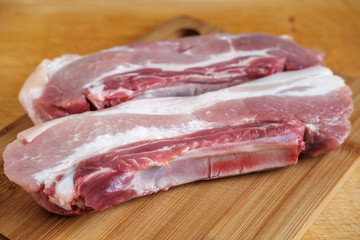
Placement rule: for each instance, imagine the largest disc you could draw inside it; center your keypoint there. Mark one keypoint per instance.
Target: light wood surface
(33, 30)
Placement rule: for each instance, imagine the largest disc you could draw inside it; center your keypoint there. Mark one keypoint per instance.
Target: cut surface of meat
(96, 160)
(183, 67)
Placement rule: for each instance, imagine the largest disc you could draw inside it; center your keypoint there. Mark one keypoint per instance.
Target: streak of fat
(318, 80)
(207, 61)
(157, 178)
(105, 142)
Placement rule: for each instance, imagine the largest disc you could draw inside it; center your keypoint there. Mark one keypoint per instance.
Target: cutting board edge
(331, 194)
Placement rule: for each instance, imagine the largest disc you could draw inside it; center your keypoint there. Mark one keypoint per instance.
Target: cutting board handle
(182, 26)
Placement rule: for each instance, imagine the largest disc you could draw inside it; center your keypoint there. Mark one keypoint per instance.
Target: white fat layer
(245, 148)
(33, 88)
(66, 206)
(316, 81)
(119, 48)
(65, 192)
(189, 89)
(98, 172)
(158, 178)
(36, 82)
(59, 62)
(36, 92)
(312, 127)
(98, 91)
(103, 143)
(286, 37)
(65, 189)
(211, 59)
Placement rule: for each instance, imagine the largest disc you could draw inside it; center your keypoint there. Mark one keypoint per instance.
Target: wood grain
(30, 32)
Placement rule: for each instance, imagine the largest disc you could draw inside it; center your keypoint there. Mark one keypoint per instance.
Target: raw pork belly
(184, 67)
(96, 160)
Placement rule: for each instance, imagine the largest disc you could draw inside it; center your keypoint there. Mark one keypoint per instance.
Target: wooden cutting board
(277, 204)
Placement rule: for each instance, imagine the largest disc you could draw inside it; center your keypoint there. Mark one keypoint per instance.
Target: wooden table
(33, 30)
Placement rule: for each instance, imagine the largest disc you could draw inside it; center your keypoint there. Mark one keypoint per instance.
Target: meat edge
(34, 85)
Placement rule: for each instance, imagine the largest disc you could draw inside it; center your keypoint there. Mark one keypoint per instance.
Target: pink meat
(184, 67)
(96, 160)
(278, 143)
